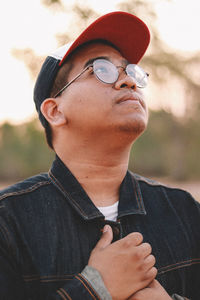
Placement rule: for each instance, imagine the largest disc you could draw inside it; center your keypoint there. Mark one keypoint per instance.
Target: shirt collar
(130, 197)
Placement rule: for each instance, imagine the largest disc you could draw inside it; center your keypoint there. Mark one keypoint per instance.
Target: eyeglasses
(107, 72)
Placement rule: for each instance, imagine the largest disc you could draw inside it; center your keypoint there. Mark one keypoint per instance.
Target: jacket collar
(130, 197)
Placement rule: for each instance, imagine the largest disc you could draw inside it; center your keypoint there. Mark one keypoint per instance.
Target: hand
(154, 291)
(126, 265)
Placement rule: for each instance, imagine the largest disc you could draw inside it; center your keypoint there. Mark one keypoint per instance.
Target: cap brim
(127, 32)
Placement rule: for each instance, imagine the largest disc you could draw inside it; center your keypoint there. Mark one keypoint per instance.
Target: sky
(28, 24)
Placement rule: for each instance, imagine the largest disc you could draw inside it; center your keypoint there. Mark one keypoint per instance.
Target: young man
(90, 229)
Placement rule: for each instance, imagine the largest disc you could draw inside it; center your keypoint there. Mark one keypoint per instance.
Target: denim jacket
(49, 226)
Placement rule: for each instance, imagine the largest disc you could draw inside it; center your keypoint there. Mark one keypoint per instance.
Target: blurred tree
(168, 148)
(23, 151)
(170, 145)
(164, 64)
(159, 151)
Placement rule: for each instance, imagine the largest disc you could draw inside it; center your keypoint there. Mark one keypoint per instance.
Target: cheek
(86, 103)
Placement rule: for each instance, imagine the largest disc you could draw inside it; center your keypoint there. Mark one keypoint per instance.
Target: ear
(52, 113)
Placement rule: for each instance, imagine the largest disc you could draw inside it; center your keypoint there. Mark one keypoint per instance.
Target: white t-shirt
(110, 212)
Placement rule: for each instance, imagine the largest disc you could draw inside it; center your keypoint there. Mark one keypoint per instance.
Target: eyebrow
(91, 60)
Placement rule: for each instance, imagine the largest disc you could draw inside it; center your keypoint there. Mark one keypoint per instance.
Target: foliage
(170, 145)
(167, 148)
(23, 151)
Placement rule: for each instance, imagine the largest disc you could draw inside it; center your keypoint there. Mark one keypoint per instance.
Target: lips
(131, 97)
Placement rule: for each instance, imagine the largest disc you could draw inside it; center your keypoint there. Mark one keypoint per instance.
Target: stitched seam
(28, 190)
(156, 183)
(140, 204)
(61, 295)
(65, 192)
(182, 262)
(9, 240)
(80, 275)
(5, 235)
(47, 278)
(85, 286)
(64, 292)
(147, 180)
(177, 267)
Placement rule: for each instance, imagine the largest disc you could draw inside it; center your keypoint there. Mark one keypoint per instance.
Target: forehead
(94, 50)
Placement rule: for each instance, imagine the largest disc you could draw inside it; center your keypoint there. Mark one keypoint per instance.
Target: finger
(106, 238)
(145, 249)
(151, 274)
(149, 261)
(154, 284)
(133, 239)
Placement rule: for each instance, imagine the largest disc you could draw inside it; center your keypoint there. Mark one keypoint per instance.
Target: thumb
(106, 238)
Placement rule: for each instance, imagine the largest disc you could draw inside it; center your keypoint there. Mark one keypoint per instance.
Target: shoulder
(154, 183)
(26, 186)
(146, 180)
(164, 191)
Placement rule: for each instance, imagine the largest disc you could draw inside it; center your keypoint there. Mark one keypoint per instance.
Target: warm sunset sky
(28, 24)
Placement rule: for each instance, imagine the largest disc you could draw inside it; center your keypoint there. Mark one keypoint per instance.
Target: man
(90, 229)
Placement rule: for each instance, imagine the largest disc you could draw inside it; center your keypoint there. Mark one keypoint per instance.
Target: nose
(125, 81)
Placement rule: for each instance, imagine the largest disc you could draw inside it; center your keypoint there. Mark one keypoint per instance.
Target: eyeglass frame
(89, 66)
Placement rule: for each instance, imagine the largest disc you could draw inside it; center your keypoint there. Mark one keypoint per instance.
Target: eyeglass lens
(107, 72)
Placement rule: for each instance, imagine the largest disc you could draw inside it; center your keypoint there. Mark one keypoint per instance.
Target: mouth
(131, 98)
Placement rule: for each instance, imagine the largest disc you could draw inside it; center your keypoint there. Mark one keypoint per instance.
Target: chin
(135, 127)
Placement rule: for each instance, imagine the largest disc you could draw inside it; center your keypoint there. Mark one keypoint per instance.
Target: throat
(103, 190)
(101, 180)
(102, 199)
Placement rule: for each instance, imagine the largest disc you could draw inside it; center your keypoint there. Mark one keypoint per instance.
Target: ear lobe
(51, 112)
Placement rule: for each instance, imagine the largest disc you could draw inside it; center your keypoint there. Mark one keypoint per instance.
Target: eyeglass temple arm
(58, 93)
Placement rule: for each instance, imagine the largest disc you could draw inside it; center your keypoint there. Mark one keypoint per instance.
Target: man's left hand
(154, 291)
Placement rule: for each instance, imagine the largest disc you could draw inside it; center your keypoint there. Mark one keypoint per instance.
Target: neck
(99, 167)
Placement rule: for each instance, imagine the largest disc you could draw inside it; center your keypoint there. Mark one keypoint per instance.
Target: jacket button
(116, 232)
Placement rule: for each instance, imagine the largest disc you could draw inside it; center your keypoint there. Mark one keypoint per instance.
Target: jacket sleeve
(86, 285)
(177, 297)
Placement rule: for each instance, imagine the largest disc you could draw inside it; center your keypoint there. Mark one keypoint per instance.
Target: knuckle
(128, 243)
(138, 255)
(147, 263)
(138, 236)
(135, 237)
(152, 259)
(142, 268)
(151, 274)
(147, 247)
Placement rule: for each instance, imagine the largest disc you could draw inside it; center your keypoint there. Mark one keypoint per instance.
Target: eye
(101, 69)
(138, 74)
(105, 71)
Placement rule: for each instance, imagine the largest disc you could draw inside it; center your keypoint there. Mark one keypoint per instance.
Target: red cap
(127, 32)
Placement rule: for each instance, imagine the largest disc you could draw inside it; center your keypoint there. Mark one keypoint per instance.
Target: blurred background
(169, 149)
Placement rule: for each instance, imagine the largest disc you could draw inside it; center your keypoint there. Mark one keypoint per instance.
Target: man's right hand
(126, 265)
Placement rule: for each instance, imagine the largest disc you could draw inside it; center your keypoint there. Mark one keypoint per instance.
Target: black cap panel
(44, 83)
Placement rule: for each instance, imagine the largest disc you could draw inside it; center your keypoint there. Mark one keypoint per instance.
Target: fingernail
(106, 228)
